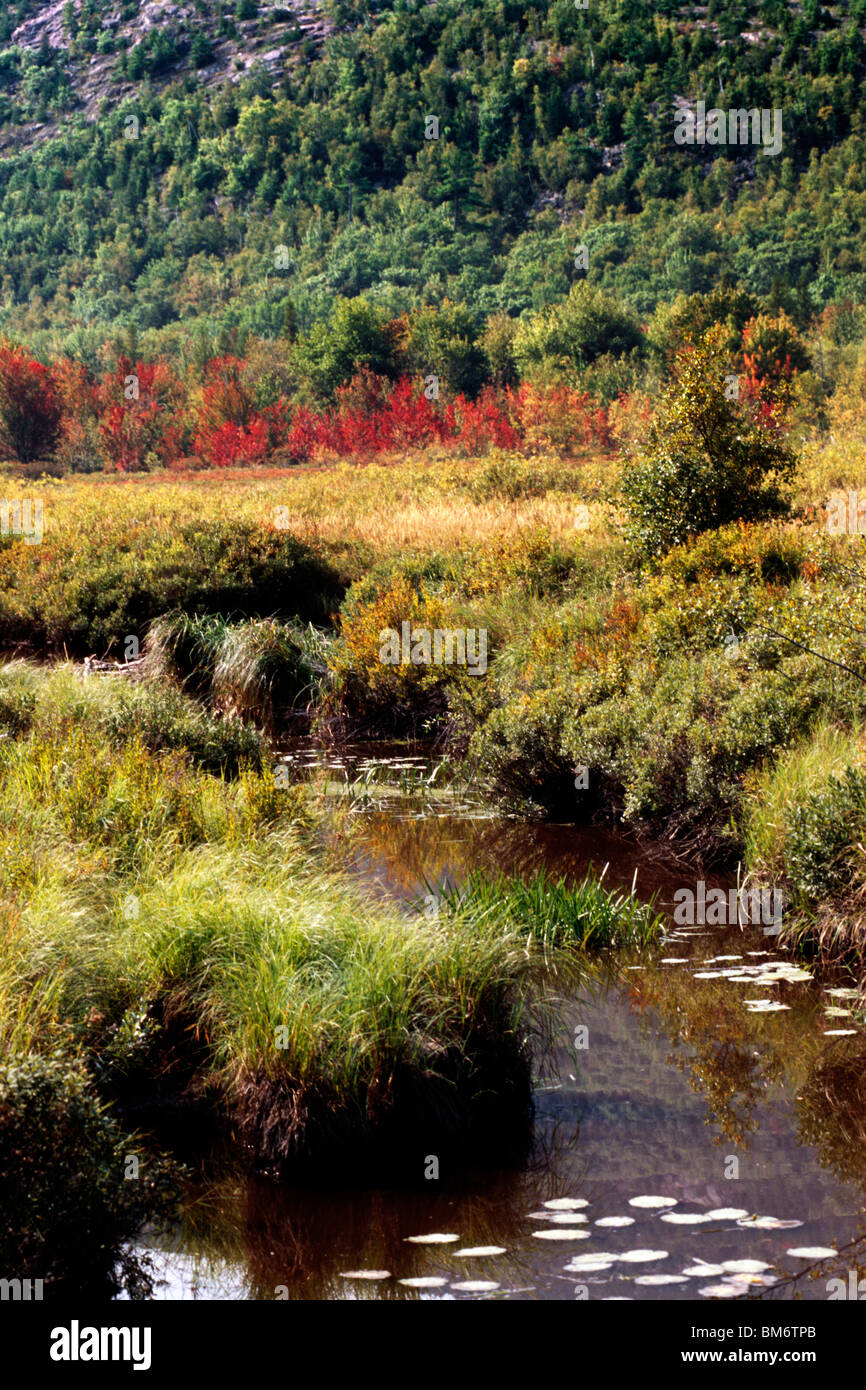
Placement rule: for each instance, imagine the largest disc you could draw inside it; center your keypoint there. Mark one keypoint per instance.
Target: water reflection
(746, 1120)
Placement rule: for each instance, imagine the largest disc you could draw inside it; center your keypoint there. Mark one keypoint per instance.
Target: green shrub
(566, 337)
(519, 750)
(67, 1205)
(708, 460)
(89, 591)
(823, 836)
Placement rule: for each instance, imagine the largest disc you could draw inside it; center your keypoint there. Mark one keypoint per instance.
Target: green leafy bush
(823, 833)
(88, 591)
(568, 336)
(67, 1204)
(709, 459)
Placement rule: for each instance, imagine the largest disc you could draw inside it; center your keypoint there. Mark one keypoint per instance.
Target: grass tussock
(553, 913)
(263, 671)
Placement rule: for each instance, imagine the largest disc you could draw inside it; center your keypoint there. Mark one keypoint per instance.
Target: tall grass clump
(258, 670)
(333, 1023)
(164, 922)
(552, 913)
(162, 718)
(776, 789)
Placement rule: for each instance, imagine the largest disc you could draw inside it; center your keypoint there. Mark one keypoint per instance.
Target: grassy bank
(170, 939)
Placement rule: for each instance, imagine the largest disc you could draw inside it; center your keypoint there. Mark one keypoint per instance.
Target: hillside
(175, 170)
(79, 45)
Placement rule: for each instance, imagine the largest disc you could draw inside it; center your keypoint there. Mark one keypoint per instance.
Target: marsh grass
(45, 701)
(145, 900)
(260, 670)
(554, 913)
(776, 789)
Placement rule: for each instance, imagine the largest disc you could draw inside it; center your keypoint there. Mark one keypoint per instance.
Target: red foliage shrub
(478, 426)
(371, 416)
(137, 414)
(230, 430)
(146, 414)
(558, 417)
(232, 444)
(226, 399)
(30, 406)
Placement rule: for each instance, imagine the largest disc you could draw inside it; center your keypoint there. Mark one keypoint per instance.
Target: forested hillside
(203, 171)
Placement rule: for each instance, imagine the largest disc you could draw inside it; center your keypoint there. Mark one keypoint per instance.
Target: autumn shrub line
(145, 415)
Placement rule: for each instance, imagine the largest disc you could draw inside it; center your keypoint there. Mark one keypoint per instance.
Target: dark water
(676, 1090)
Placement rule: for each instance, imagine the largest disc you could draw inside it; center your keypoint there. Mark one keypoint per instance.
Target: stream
(700, 1127)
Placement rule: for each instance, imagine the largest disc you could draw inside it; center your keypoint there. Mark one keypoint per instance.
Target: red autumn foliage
(374, 416)
(136, 409)
(229, 428)
(396, 417)
(31, 409)
(146, 414)
(558, 417)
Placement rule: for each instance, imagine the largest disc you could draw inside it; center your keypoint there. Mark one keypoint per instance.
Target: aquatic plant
(553, 912)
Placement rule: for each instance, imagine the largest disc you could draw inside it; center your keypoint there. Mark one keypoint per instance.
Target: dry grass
(411, 503)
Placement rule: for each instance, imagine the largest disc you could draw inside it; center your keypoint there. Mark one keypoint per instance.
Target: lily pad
(812, 1252)
(651, 1202)
(435, 1238)
(768, 1223)
(561, 1233)
(761, 1280)
(579, 1262)
(479, 1251)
